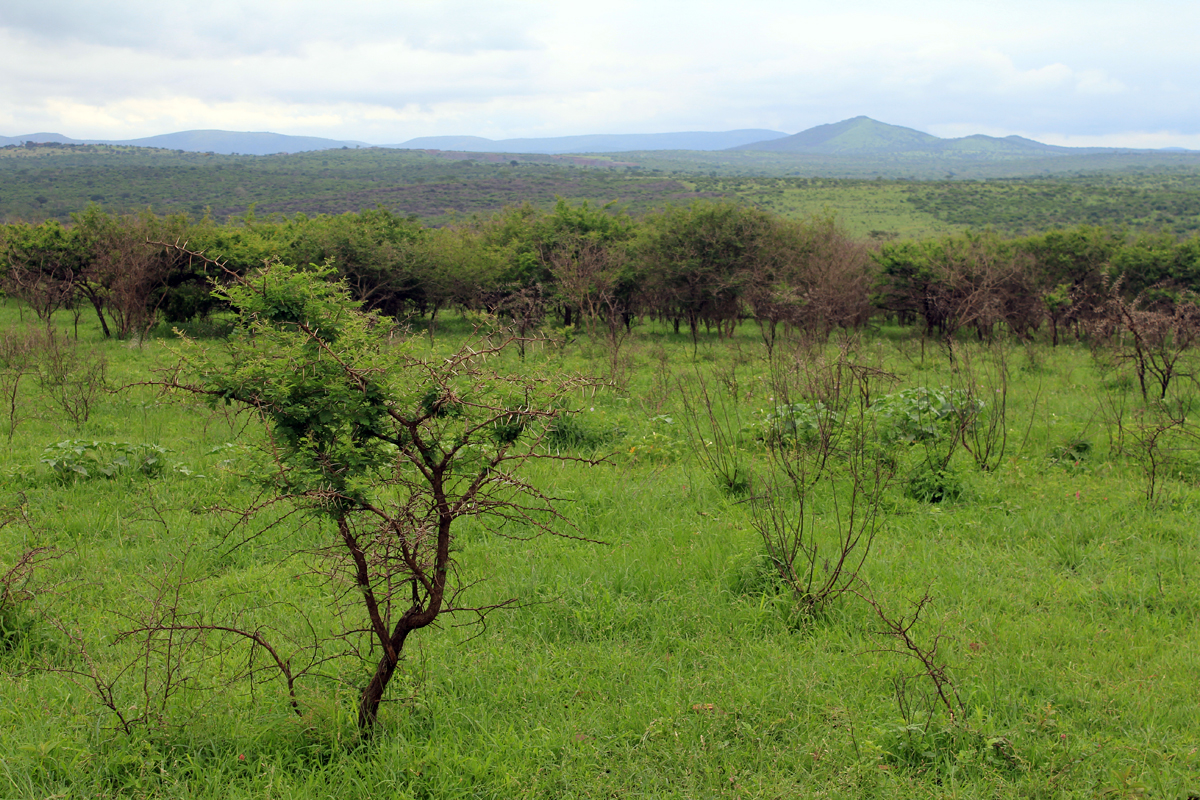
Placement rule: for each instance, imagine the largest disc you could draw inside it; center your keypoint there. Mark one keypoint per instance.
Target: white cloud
(1134, 139)
(387, 70)
(186, 113)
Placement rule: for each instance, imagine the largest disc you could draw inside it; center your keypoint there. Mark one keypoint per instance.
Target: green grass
(881, 210)
(659, 662)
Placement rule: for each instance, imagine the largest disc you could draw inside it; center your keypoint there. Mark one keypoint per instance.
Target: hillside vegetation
(894, 195)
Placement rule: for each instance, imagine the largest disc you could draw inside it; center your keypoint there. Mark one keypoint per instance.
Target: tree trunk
(372, 694)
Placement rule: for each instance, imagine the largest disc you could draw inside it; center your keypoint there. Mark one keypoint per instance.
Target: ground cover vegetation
(568, 503)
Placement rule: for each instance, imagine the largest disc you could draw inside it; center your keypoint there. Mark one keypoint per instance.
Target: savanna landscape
(364, 473)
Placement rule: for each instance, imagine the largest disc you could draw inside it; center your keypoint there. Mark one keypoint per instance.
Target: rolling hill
(207, 141)
(860, 138)
(863, 136)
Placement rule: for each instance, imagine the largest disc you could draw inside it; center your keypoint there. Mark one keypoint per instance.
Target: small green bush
(1071, 450)
(947, 750)
(927, 484)
(794, 423)
(569, 432)
(924, 414)
(79, 458)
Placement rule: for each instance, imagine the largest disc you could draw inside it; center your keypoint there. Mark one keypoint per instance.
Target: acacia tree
(388, 448)
(811, 275)
(1068, 269)
(701, 258)
(41, 265)
(966, 280)
(130, 270)
(376, 252)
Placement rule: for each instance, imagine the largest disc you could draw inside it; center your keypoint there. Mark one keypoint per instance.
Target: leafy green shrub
(1072, 450)
(661, 443)
(79, 458)
(795, 422)
(923, 414)
(945, 749)
(928, 484)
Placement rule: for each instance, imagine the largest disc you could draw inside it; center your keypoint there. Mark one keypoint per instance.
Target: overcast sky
(1070, 72)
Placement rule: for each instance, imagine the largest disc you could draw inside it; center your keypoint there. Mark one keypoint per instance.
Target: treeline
(707, 266)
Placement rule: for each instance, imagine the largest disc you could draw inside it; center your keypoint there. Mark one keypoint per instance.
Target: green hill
(863, 136)
(857, 135)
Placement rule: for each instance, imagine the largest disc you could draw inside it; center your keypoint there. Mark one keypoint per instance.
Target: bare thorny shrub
(1158, 347)
(74, 378)
(1156, 344)
(713, 423)
(816, 502)
(815, 494)
(168, 656)
(22, 567)
(18, 360)
(1159, 436)
(980, 392)
(71, 376)
(942, 690)
(930, 691)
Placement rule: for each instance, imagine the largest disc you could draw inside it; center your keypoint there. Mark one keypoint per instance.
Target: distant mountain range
(260, 144)
(860, 136)
(226, 142)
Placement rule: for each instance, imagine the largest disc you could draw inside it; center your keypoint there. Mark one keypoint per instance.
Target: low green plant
(928, 483)
(793, 422)
(79, 458)
(946, 750)
(923, 413)
(1071, 450)
(660, 443)
(571, 432)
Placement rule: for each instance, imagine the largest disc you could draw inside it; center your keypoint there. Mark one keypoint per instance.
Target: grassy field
(879, 210)
(661, 660)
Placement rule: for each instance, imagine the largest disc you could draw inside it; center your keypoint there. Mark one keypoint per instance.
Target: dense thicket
(710, 265)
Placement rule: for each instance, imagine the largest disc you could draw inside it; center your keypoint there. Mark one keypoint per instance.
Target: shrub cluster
(709, 265)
